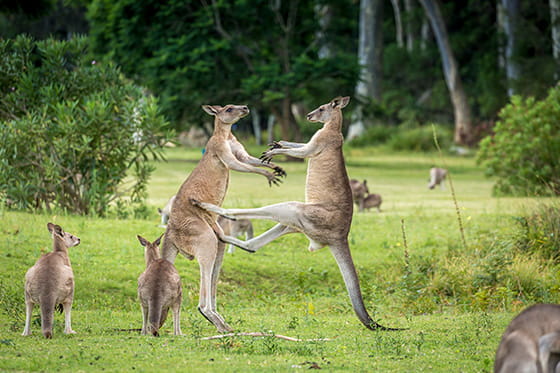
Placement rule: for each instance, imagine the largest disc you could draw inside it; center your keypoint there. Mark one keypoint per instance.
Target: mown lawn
(283, 288)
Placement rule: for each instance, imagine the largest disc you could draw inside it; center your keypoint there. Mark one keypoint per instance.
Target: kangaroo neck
(221, 130)
(150, 256)
(60, 248)
(334, 123)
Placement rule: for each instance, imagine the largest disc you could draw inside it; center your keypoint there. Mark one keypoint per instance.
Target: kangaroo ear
(212, 109)
(159, 211)
(50, 227)
(156, 242)
(54, 228)
(365, 182)
(340, 102)
(143, 241)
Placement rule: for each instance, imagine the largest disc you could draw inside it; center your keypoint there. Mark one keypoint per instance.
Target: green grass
(454, 302)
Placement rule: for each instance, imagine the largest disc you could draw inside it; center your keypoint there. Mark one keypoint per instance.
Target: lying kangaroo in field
(159, 288)
(437, 177)
(326, 216)
(50, 282)
(531, 342)
(359, 191)
(370, 201)
(190, 230)
(236, 228)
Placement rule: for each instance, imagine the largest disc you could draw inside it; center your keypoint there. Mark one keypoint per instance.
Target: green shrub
(421, 139)
(72, 130)
(374, 135)
(523, 153)
(540, 232)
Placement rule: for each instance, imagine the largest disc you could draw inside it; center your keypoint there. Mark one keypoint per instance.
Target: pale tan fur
(437, 177)
(531, 342)
(359, 192)
(159, 288)
(326, 216)
(235, 228)
(192, 231)
(165, 212)
(50, 282)
(370, 201)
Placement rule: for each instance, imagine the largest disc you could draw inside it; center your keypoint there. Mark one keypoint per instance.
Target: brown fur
(159, 288)
(370, 201)
(192, 231)
(326, 216)
(531, 342)
(50, 282)
(359, 192)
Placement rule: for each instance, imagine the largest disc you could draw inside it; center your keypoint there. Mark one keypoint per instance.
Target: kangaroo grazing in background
(326, 216)
(50, 282)
(437, 176)
(236, 228)
(191, 230)
(370, 201)
(159, 288)
(359, 191)
(531, 342)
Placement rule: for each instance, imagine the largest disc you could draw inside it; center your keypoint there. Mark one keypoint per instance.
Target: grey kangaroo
(159, 288)
(191, 230)
(50, 282)
(531, 342)
(326, 216)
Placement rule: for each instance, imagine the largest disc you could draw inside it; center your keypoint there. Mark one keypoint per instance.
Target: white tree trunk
(409, 26)
(510, 15)
(255, 116)
(398, 22)
(555, 22)
(461, 109)
(324, 16)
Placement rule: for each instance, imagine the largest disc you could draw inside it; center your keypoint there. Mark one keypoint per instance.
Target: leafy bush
(374, 135)
(540, 232)
(421, 139)
(72, 130)
(523, 153)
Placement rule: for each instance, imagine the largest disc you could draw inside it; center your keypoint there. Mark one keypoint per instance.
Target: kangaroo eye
(229, 110)
(321, 109)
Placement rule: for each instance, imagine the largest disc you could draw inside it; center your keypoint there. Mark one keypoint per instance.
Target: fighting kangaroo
(326, 216)
(191, 230)
(50, 282)
(159, 288)
(531, 342)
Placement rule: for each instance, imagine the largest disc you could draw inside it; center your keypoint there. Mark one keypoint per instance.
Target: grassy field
(437, 288)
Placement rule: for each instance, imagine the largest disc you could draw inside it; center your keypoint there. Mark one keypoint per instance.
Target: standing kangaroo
(359, 192)
(437, 177)
(50, 282)
(159, 288)
(192, 231)
(326, 216)
(531, 342)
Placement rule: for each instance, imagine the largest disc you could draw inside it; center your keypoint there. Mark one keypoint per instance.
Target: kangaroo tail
(47, 316)
(154, 317)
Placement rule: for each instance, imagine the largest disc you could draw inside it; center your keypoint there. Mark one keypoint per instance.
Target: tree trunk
(398, 22)
(370, 58)
(324, 16)
(256, 119)
(509, 16)
(461, 109)
(555, 23)
(409, 25)
(289, 129)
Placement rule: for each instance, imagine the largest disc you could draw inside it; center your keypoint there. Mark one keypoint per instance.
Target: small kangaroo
(531, 342)
(191, 230)
(50, 282)
(371, 200)
(326, 216)
(236, 228)
(359, 191)
(159, 288)
(437, 176)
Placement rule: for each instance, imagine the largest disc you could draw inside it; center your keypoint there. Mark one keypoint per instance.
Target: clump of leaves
(522, 153)
(540, 232)
(73, 130)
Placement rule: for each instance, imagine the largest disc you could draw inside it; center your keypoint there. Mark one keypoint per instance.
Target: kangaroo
(165, 212)
(192, 231)
(50, 282)
(236, 228)
(371, 200)
(531, 342)
(159, 288)
(359, 191)
(326, 216)
(437, 176)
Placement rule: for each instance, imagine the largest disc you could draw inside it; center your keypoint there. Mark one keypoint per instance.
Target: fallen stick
(259, 334)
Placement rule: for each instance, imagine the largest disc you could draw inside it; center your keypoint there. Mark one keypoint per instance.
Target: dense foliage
(72, 130)
(523, 153)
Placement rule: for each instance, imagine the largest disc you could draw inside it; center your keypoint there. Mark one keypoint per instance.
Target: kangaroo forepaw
(279, 171)
(195, 202)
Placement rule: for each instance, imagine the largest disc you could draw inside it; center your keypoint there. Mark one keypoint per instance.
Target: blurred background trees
(407, 63)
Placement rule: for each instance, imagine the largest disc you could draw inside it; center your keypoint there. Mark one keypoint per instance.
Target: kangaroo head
(366, 187)
(228, 114)
(151, 250)
(326, 112)
(62, 238)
